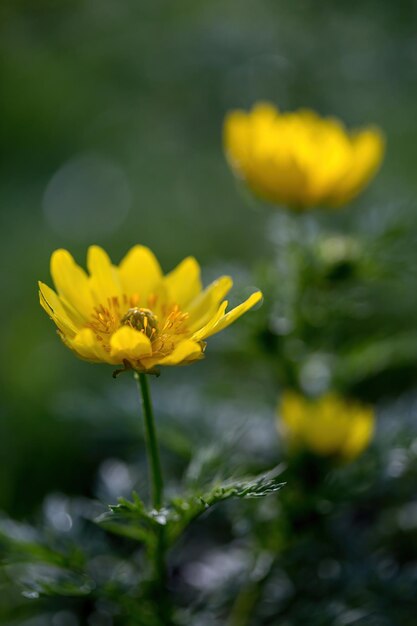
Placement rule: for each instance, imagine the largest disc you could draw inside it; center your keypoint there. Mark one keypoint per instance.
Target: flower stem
(157, 554)
(151, 442)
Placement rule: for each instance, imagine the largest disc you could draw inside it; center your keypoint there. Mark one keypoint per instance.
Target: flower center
(141, 319)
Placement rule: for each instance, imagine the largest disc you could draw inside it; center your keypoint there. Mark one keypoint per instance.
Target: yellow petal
(51, 303)
(184, 283)
(292, 414)
(328, 425)
(205, 331)
(231, 316)
(104, 280)
(86, 345)
(325, 436)
(185, 352)
(72, 283)
(242, 130)
(367, 153)
(360, 434)
(128, 343)
(205, 305)
(139, 273)
(236, 138)
(299, 158)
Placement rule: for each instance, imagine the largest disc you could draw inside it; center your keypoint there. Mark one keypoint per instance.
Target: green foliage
(51, 566)
(131, 518)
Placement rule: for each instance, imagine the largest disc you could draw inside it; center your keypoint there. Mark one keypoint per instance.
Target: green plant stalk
(155, 473)
(244, 605)
(151, 442)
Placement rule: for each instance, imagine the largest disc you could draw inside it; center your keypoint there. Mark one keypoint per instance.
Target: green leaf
(22, 550)
(131, 519)
(41, 569)
(54, 581)
(185, 510)
(376, 356)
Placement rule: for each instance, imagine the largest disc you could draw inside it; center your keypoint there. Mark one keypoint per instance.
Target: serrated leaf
(190, 508)
(131, 518)
(258, 488)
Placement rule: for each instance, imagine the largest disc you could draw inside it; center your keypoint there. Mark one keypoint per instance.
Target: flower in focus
(132, 314)
(300, 159)
(326, 426)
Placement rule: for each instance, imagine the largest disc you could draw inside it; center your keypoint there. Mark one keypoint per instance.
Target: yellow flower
(300, 159)
(326, 426)
(132, 314)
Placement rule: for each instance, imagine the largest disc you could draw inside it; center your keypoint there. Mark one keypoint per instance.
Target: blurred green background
(111, 134)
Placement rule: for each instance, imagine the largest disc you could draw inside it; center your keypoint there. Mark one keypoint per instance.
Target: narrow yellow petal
(140, 273)
(72, 283)
(184, 283)
(53, 306)
(205, 305)
(104, 280)
(232, 315)
(185, 352)
(128, 343)
(205, 331)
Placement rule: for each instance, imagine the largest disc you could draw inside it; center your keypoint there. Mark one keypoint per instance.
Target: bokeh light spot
(88, 197)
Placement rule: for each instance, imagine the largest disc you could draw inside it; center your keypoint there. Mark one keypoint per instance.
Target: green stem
(244, 605)
(151, 442)
(157, 552)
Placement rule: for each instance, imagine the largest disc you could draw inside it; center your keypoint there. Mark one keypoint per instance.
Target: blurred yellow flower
(132, 314)
(299, 159)
(327, 426)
